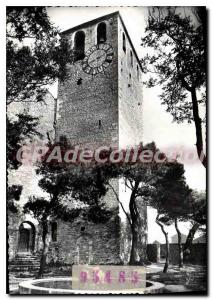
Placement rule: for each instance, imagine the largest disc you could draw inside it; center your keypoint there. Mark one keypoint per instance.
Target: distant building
(156, 242)
(174, 238)
(201, 239)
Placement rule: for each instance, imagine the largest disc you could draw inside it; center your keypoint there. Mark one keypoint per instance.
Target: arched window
(131, 58)
(79, 45)
(54, 231)
(101, 33)
(138, 76)
(124, 42)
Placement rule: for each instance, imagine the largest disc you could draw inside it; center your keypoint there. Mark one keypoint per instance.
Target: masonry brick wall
(97, 244)
(13, 234)
(112, 98)
(80, 110)
(81, 107)
(197, 256)
(14, 222)
(130, 92)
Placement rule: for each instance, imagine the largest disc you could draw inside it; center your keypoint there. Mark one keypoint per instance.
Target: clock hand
(98, 57)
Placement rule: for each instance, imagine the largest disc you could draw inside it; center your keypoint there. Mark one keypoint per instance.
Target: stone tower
(100, 104)
(101, 101)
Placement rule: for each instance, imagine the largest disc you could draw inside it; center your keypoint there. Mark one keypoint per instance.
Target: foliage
(17, 131)
(178, 64)
(139, 178)
(81, 183)
(172, 193)
(42, 209)
(13, 193)
(39, 207)
(36, 55)
(179, 60)
(198, 208)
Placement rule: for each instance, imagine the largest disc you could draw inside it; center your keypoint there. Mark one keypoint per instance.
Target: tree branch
(117, 198)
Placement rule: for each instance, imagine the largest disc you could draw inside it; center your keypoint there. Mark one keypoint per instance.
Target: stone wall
(81, 107)
(153, 252)
(142, 230)
(198, 253)
(87, 114)
(130, 92)
(14, 222)
(96, 244)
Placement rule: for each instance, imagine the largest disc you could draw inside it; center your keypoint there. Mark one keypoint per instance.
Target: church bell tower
(100, 104)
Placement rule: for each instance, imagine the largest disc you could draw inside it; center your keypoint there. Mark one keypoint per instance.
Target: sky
(158, 125)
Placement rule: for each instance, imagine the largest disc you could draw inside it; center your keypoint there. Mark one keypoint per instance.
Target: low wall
(153, 252)
(197, 256)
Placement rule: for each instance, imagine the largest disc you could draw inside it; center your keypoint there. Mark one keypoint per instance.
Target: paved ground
(191, 278)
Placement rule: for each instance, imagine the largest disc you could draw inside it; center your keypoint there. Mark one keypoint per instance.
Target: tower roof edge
(88, 23)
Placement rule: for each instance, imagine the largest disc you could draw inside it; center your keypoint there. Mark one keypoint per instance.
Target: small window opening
(138, 75)
(129, 84)
(100, 124)
(131, 58)
(79, 81)
(101, 33)
(124, 42)
(63, 139)
(54, 231)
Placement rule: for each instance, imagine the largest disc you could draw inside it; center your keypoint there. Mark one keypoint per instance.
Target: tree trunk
(180, 247)
(133, 246)
(198, 126)
(134, 215)
(165, 269)
(189, 240)
(44, 250)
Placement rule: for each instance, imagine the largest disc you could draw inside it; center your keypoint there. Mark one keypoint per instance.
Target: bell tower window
(101, 33)
(79, 45)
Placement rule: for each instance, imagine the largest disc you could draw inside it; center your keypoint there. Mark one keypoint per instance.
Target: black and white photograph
(106, 131)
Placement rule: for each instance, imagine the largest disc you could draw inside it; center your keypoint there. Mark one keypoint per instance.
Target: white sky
(158, 125)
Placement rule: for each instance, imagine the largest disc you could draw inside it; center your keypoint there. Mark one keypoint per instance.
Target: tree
(78, 183)
(171, 201)
(197, 216)
(176, 193)
(178, 64)
(13, 193)
(18, 131)
(161, 221)
(36, 55)
(23, 128)
(42, 210)
(138, 178)
(90, 182)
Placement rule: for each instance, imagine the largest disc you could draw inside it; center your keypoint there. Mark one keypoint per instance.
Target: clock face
(97, 59)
